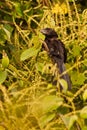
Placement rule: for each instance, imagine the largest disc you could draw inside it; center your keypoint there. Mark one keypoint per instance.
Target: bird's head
(49, 32)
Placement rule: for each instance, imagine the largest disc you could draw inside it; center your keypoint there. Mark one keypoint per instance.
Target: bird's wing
(56, 48)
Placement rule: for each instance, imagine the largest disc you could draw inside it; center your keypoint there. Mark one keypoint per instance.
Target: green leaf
(45, 119)
(72, 120)
(39, 66)
(3, 37)
(46, 104)
(51, 102)
(78, 78)
(81, 78)
(44, 108)
(85, 95)
(83, 113)
(63, 84)
(36, 42)
(8, 27)
(69, 120)
(41, 36)
(29, 53)
(66, 120)
(7, 33)
(3, 76)
(85, 62)
(5, 62)
(76, 50)
(18, 9)
(84, 128)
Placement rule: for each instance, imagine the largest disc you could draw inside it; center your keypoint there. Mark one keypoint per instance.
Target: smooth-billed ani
(57, 51)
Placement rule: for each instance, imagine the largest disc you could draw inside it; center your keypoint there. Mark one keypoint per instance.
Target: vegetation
(28, 99)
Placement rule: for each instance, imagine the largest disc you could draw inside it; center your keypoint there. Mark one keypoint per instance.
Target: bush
(29, 100)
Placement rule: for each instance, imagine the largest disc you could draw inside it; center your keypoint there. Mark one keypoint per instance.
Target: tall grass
(29, 101)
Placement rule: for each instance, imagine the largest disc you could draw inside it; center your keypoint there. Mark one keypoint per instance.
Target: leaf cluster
(29, 97)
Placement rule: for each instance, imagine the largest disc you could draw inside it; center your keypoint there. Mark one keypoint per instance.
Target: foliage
(28, 98)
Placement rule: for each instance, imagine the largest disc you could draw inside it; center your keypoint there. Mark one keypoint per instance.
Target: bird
(57, 51)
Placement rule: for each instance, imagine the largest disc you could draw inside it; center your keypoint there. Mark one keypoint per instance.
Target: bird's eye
(58, 53)
(51, 49)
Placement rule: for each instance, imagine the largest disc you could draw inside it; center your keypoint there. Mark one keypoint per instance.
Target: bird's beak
(43, 31)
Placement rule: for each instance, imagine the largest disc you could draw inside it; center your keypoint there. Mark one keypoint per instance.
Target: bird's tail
(65, 76)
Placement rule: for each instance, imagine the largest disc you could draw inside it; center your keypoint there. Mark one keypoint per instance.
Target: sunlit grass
(29, 100)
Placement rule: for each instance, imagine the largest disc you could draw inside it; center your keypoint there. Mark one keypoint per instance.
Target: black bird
(57, 51)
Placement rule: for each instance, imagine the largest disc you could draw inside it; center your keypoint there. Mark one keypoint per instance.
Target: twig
(45, 45)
